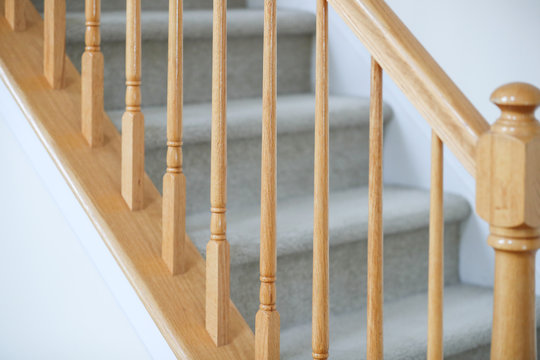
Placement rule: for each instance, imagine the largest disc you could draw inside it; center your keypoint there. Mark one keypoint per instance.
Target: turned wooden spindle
(217, 250)
(133, 119)
(374, 345)
(320, 322)
(15, 14)
(92, 110)
(54, 45)
(436, 253)
(267, 321)
(174, 181)
(508, 198)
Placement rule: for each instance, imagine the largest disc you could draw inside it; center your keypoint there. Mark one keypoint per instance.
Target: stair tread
(294, 114)
(467, 325)
(197, 24)
(405, 209)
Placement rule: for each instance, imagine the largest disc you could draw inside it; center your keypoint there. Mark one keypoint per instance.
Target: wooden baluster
(174, 181)
(92, 77)
(375, 279)
(14, 11)
(133, 119)
(436, 253)
(320, 332)
(508, 198)
(217, 250)
(267, 322)
(54, 42)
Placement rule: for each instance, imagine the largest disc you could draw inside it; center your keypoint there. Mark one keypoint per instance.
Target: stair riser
(111, 5)
(406, 273)
(348, 167)
(244, 68)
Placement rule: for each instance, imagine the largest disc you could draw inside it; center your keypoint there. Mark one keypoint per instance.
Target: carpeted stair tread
(405, 209)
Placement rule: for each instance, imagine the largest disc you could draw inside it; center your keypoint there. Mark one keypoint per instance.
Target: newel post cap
(508, 160)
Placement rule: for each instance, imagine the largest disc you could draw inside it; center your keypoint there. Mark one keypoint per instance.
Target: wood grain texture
(375, 288)
(320, 317)
(176, 303)
(508, 198)
(267, 321)
(15, 14)
(174, 181)
(55, 42)
(426, 85)
(92, 77)
(133, 119)
(435, 350)
(217, 250)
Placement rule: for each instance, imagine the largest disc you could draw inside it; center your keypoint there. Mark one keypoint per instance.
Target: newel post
(508, 198)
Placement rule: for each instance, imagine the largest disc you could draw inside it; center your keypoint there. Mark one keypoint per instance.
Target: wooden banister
(92, 109)
(133, 119)
(508, 198)
(436, 253)
(320, 322)
(267, 321)
(426, 85)
(15, 14)
(218, 249)
(54, 46)
(174, 180)
(375, 288)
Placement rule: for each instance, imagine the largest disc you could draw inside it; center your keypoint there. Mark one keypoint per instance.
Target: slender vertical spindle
(174, 181)
(375, 287)
(92, 77)
(14, 11)
(267, 321)
(436, 253)
(320, 323)
(133, 119)
(217, 250)
(54, 42)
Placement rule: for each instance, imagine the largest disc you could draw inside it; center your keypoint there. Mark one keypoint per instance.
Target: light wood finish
(436, 253)
(217, 250)
(175, 303)
(54, 53)
(267, 321)
(92, 77)
(421, 79)
(375, 288)
(133, 119)
(508, 198)
(15, 14)
(320, 322)
(174, 181)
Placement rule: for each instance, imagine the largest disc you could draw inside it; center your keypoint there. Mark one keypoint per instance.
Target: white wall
(481, 45)
(63, 295)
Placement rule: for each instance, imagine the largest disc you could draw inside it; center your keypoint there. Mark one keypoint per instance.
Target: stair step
(111, 5)
(295, 118)
(468, 315)
(406, 219)
(245, 50)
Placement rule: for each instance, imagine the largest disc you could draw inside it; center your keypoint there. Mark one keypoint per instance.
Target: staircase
(468, 310)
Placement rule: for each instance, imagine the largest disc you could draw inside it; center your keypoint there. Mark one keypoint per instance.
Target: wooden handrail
(267, 321)
(133, 119)
(92, 109)
(455, 120)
